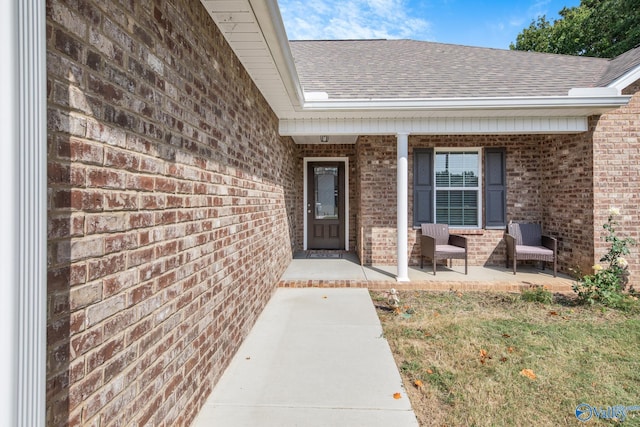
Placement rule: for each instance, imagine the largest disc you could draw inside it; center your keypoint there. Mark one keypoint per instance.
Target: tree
(601, 28)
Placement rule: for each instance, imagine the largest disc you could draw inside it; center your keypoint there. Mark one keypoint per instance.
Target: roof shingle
(620, 65)
(385, 69)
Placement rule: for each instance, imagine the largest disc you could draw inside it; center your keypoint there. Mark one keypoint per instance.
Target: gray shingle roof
(348, 69)
(620, 65)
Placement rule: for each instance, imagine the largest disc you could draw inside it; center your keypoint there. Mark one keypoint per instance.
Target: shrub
(607, 283)
(537, 294)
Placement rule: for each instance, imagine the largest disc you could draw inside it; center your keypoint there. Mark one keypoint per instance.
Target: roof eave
(594, 104)
(269, 19)
(626, 79)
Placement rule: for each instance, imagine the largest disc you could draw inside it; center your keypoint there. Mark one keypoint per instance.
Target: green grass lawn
(492, 359)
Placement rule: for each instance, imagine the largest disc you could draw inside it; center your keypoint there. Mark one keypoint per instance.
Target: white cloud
(352, 19)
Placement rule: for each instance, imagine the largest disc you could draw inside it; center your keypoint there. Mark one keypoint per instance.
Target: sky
(493, 24)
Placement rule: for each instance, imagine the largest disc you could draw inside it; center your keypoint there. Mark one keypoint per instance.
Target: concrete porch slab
(347, 272)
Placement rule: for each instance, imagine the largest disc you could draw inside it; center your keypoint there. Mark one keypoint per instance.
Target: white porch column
(23, 218)
(403, 202)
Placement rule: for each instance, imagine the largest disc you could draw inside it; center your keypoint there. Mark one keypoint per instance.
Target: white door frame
(344, 160)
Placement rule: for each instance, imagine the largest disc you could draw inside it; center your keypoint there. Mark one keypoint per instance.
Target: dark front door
(325, 205)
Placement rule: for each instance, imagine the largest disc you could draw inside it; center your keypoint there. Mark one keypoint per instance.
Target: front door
(325, 205)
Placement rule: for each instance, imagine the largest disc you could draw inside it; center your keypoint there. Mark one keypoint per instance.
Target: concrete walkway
(316, 357)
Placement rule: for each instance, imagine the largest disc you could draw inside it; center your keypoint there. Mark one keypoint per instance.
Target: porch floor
(343, 269)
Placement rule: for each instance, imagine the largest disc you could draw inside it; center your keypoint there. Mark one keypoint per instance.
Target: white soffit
(264, 52)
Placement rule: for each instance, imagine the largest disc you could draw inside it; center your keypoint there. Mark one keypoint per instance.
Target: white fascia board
(628, 78)
(445, 104)
(269, 19)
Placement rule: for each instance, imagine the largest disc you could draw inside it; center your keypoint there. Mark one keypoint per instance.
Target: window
(448, 184)
(457, 188)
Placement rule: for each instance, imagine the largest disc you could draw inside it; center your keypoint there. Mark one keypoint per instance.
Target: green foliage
(537, 294)
(607, 284)
(600, 28)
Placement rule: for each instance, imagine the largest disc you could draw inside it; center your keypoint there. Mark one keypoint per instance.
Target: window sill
(462, 231)
(467, 231)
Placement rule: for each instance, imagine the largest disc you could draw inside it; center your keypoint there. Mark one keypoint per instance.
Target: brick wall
(377, 174)
(567, 198)
(171, 210)
(616, 153)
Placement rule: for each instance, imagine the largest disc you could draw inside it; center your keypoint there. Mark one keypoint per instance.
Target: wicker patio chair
(526, 242)
(436, 243)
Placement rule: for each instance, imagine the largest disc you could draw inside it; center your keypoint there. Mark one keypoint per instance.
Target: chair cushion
(533, 250)
(449, 249)
(440, 232)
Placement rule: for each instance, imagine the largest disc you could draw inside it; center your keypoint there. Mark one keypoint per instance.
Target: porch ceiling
(255, 32)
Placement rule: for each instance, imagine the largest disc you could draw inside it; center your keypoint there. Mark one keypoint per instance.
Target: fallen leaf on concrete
(397, 395)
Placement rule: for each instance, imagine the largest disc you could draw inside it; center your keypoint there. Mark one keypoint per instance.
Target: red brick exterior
(616, 148)
(566, 198)
(377, 177)
(171, 210)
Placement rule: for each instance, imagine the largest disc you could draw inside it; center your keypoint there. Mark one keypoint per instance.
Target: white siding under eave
(434, 126)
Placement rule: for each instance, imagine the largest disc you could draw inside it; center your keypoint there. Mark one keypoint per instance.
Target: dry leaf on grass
(429, 371)
(418, 383)
(484, 355)
(528, 373)
(510, 349)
